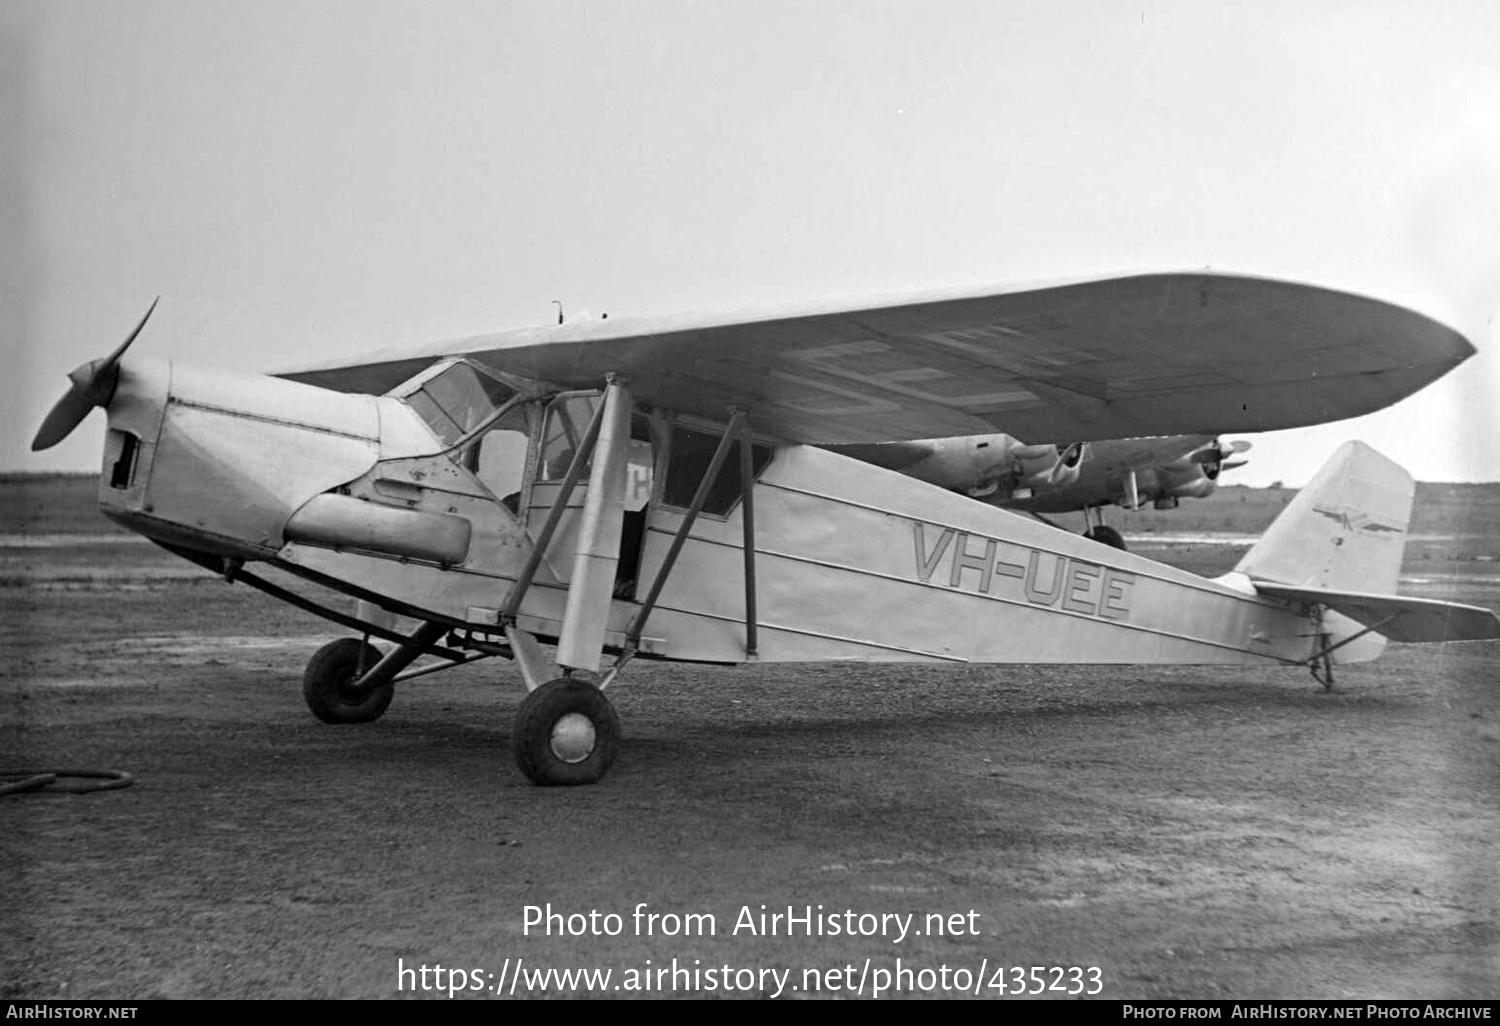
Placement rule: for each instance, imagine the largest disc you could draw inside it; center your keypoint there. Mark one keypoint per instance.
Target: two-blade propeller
(92, 384)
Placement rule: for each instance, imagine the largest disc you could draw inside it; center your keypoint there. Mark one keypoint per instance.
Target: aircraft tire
(566, 733)
(1106, 535)
(328, 675)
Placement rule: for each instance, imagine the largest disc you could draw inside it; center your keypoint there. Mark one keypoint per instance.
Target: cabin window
(457, 400)
(691, 452)
(567, 423)
(640, 464)
(640, 480)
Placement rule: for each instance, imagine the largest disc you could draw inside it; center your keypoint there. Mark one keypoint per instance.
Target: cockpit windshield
(456, 400)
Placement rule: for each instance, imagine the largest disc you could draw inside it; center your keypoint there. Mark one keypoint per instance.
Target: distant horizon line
(7, 476)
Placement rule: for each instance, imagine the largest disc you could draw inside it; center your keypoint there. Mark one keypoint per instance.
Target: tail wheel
(1106, 535)
(327, 683)
(566, 733)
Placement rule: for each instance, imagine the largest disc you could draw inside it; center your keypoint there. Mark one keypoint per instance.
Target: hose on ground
(25, 781)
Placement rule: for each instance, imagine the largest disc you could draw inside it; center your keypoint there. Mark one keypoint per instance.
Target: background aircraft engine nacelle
(1069, 463)
(1045, 466)
(1033, 464)
(977, 464)
(1185, 482)
(1193, 490)
(978, 461)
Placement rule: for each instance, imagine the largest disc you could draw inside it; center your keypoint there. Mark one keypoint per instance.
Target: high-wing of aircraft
(653, 488)
(1048, 478)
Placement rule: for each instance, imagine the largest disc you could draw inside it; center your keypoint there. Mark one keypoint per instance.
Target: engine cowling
(977, 464)
(1047, 466)
(1201, 488)
(1069, 463)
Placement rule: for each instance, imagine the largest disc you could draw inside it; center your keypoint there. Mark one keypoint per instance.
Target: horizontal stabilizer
(1398, 618)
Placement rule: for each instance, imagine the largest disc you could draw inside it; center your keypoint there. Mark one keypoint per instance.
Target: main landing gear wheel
(1106, 535)
(331, 671)
(566, 733)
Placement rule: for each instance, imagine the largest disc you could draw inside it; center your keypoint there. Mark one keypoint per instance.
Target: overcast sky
(306, 180)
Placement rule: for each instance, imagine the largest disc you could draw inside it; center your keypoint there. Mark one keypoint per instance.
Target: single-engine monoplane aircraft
(1048, 478)
(653, 489)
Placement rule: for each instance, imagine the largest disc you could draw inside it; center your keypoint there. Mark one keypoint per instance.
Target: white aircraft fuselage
(855, 563)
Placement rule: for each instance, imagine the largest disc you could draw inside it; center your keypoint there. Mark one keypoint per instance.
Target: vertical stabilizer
(1345, 531)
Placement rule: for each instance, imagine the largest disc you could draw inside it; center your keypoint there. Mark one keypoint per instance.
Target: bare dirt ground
(1191, 832)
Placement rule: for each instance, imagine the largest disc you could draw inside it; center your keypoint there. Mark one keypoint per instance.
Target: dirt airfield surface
(1189, 832)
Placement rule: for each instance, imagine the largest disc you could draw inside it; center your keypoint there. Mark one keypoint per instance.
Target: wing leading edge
(1150, 354)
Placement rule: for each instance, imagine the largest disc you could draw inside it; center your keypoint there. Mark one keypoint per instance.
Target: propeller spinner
(92, 384)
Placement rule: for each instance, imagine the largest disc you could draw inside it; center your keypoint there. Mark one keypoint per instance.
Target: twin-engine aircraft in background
(1007, 472)
(654, 488)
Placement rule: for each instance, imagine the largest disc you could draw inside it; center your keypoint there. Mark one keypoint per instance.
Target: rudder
(1345, 531)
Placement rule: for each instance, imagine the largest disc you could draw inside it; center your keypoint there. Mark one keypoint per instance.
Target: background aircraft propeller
(92, 384)
(1215, 456)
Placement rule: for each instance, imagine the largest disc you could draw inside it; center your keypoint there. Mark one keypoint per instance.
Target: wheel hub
(573, 738)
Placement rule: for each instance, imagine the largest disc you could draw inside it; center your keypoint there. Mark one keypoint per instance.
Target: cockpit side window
(567, 422)
(498, 455)
(457, 400)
